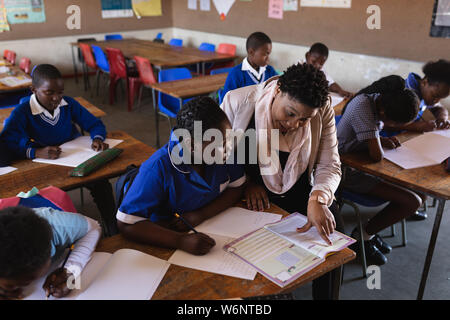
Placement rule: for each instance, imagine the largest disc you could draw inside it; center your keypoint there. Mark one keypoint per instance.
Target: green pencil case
(96, 162)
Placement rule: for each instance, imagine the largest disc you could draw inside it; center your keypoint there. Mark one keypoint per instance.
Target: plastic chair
(10, 56)
(159, 35)
(80, 55)
(218, 71)
(205, 46)
(102, 63)
(224, 48)
(146, 75)
(25, 65)
(117, 36)
(176, 42)
(169, 106)
(89, 62)
(159, 38)
(119, 70)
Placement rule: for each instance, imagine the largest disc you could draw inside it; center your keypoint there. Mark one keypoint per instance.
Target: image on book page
(76, 152)
(310, 240)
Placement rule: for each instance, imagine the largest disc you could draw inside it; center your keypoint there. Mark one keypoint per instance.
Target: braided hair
(305, 84)
(400, 103)
(437, 72)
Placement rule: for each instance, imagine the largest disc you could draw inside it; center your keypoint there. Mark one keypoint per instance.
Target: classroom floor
(400, 277)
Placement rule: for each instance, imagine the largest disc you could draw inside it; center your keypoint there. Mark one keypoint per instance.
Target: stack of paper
(15, 81)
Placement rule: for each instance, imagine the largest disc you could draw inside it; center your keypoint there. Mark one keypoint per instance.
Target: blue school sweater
(24, 132)
(237, 78)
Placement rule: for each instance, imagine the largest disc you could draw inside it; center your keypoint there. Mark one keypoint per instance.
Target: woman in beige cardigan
(301, 169)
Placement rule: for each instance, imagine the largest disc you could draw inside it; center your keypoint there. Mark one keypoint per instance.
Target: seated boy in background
(39, 125)
(254, 69)
(317, 56)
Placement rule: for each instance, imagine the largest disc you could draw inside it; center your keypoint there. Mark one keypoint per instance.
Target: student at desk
(167, 184)
(385, 101)
(39, 125)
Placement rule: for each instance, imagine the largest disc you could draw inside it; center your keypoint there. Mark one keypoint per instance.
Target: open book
(77, 151)
(282, 254)
(126, 274)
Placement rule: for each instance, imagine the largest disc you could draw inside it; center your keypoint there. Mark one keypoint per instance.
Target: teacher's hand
(319, 216)
(256, 197)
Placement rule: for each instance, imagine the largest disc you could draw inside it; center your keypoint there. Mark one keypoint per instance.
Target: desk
(433, 181)
(32, 174)
(5, 112)
(17, 72)
(186, 88)
(185, 283)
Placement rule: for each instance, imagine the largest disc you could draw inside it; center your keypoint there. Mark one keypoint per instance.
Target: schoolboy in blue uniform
(254, 69)
(39, 125)
(165, 185)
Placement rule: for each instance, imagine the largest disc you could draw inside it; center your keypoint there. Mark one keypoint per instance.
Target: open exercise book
(428, 149)
(282, 254)
(223, 228)
(126, 274)
(77, 151)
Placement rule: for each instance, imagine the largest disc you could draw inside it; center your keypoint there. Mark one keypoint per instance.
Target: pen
(185, 222)
(64, 263)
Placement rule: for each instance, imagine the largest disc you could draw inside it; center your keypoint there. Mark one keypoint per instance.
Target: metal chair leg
(404, 239)
(81, 197)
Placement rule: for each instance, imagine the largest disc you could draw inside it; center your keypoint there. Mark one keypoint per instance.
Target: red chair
(89, 61)
(225, 48)
(119, 70)
(10, 56)
(25, 65)
(146, 75)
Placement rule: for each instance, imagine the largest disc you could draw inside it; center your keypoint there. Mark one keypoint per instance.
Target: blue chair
(159, 35)
(176, 42)
(113, 37)
(168, 106)
(205, 46)
(218, 71)
(102, 63)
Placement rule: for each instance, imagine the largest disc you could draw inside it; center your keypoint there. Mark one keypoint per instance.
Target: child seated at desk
(31, 238)
(254, 69)
(432, 88)
(386, 100)
(166, 184)
(317, 56)
(37, 127)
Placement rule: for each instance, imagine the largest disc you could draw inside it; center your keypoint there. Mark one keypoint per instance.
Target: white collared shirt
(37, 108)
(247, 67)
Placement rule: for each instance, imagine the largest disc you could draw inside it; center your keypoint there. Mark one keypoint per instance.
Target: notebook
(76, 152)
(281, 254)
(125, 275)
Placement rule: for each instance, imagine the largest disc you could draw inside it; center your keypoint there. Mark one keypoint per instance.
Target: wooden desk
(433, 181)
(17, 73)
(185, 283)
(32, 174)
(187, 88)
(6, 112)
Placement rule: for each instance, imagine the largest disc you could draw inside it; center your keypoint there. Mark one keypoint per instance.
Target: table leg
(337, 278)
(434, 234)
(156, 117)
(75, 70)
(203, 68)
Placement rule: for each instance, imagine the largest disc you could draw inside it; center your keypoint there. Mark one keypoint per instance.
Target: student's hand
(256, 197)
(11, 295)
(442, 124)
(51, 152)
(193, 217)
(56, 283)
(319, 216)
(390, 142)
(425, 126)
(196, 243)
(99, 145)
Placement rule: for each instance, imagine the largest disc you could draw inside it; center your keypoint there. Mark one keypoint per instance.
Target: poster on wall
(116, 9)
(4, 26)
(222, 7)
(275, 9)
(25, 11)
(290, 5)
(147, 8)
(440, 21)
(327, 3)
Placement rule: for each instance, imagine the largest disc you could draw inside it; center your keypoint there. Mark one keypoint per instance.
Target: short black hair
(25, 240)
(257, 40)
(319, 48)
(305, 84)
(437, 71)
(202, 109)
(44, 72)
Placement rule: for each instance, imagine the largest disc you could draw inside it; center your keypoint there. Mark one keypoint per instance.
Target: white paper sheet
(335, 99)
(6, 170)
(205, 5)
(4, 69)
(216, 261)
(15, 81)
(76, 152)
(192, 4)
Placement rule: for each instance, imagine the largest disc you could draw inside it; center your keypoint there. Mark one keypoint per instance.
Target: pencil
(185, 222)
(64, 263)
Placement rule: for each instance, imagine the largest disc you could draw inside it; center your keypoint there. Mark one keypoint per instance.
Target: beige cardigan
(324, 166)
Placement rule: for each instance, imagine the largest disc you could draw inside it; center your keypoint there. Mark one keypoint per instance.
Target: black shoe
(373, 255)
(383, 246)
(418, 216)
